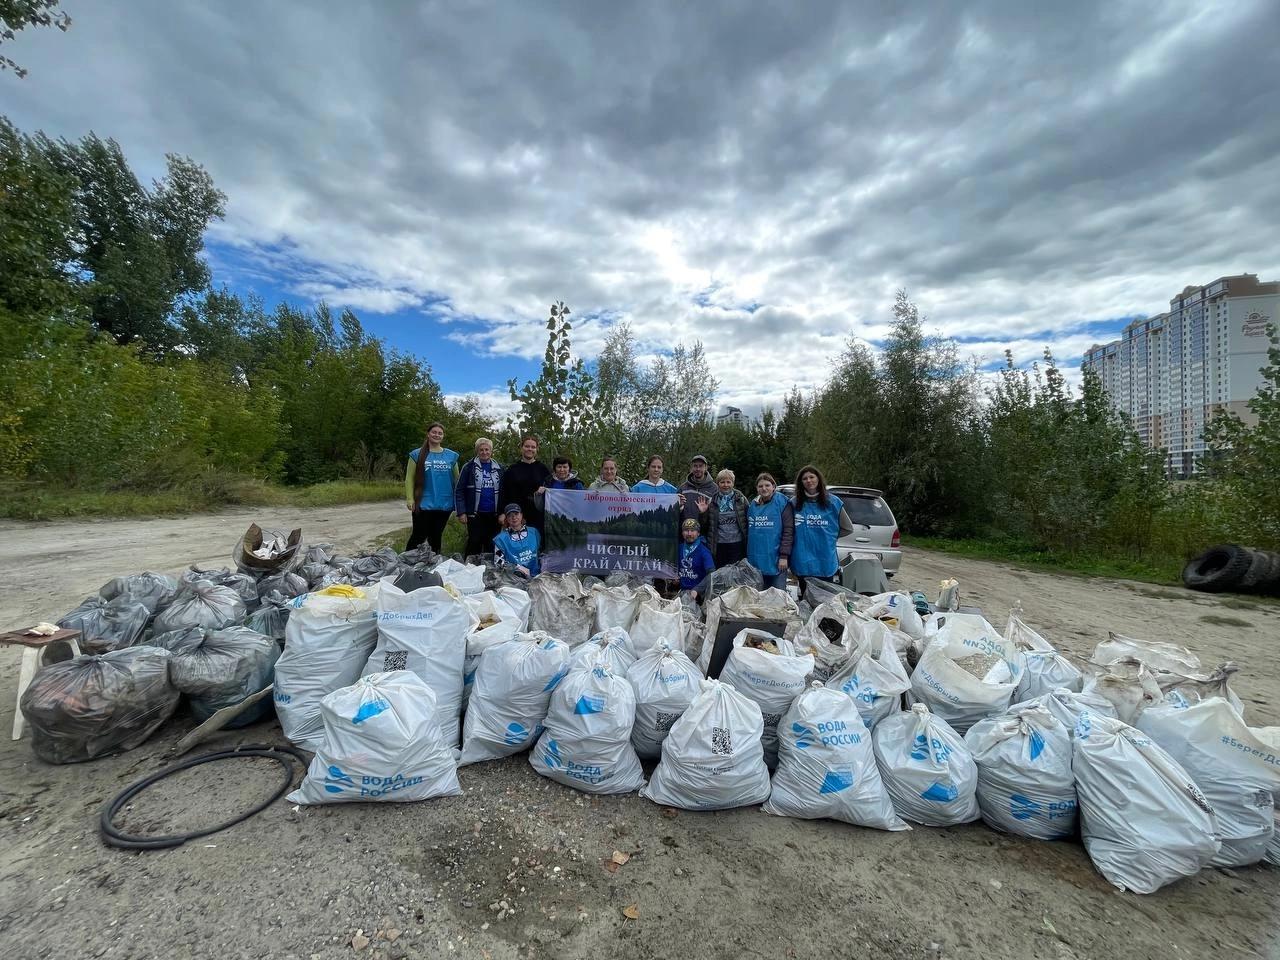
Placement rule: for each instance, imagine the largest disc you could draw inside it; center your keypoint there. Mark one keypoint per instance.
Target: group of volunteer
(502, 509)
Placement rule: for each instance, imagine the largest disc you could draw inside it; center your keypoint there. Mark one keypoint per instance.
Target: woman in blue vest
(518, 544)
(820, 521)
(428, 488)
(771, 531)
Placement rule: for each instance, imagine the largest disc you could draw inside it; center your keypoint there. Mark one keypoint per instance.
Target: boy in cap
(695, 558)
(518, 544)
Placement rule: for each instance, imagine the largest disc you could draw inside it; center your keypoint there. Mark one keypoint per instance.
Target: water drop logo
(370, 708)
(836, 780)
(920, 748)
(940, 792)
(1023, 808)
(337, 781)
(560, 675)
(804, 736)
(552, 756)
(1084, 726)
(589, 703)
(1036, 745)
(517, 733)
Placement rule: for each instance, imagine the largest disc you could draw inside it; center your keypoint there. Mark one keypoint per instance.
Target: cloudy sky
(760, 177)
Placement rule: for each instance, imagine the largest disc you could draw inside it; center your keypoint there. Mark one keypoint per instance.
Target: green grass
(207, 493)
(1163, 571)
(454, 540)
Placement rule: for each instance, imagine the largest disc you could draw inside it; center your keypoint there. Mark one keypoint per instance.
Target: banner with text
(602, 532)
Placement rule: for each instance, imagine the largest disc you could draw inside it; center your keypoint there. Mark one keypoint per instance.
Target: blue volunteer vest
(437, 479)
(817, 530)
(764, 533)
(522, 552)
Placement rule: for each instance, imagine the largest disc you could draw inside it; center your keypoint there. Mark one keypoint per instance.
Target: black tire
(1271, 582)
(1259, 572)
(1218, 568)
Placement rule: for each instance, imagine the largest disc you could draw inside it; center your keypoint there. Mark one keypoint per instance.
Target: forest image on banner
(603, 532)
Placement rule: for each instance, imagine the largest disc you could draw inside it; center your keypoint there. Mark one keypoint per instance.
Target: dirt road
(430, 879)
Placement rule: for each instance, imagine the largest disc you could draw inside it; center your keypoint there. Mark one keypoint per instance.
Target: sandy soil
(300, 883)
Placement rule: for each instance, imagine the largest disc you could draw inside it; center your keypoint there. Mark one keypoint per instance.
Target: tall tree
(562, 404)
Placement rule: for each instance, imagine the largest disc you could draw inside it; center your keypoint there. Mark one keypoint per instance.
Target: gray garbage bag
(286, 584)
(1025, 783)
(245, 586)
(91, 706)
(272, 617)
(107, 625)
(383, 562)
(182, 640)
(562, 607)
(202, 604)
(154, 591)
(721, 581)
(223, 669)
(314, 572)
(318, 553)
(1144, 821)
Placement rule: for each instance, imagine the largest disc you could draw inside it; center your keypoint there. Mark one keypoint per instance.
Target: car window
(872, 511)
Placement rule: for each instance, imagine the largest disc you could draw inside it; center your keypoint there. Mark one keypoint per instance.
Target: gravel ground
(521, 867)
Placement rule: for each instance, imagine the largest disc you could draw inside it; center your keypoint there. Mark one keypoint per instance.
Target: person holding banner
(609, 479)
(726, 520)
(653, 482)
(475, 498)
(771, 528)
(524, 480)
(517, 544)
(820, 521)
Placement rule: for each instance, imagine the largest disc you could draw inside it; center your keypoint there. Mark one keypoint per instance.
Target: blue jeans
(778, 580)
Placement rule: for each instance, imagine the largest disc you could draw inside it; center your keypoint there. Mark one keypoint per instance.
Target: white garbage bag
(511, 694)
(1044, 669)
(381, 742)
(771, 679)
(657, 620)
(712, 758)
(1238, 773)
(610, 647)
(826, 766)
(1025, 783)
(587, 741)
(500, 615)
(967, 672)
(468, 579)
(873, 676)
(1127, 684)
(1066, 706)
(327, 642)
(561, 607)
(771, 604)
(1144, 821)
(926, 768)
(899, 609)
(614, 606)
(425, 632)
(665, 682)
(1157, 655)
(830, 634)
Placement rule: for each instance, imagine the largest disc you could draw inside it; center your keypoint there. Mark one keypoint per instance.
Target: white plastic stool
(34, 648)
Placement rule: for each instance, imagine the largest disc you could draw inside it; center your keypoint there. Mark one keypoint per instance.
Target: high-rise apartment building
(1173, 372)
(734, 416)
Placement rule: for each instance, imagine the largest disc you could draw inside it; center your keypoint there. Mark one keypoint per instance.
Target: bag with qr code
(712, 758)
(665, 682)
(425, 632)
(382, 741)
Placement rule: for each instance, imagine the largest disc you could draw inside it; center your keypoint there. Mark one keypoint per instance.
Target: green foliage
(17, 15)
(563, 403)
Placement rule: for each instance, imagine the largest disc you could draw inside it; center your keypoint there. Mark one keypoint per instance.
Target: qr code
(771, 720)
(395, 660)
(665, 720)
(720, 744)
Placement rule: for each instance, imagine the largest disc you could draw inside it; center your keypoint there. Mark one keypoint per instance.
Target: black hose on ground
(113, 837)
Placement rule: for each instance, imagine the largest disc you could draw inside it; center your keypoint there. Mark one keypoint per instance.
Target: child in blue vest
(518, 544)
(695, 557)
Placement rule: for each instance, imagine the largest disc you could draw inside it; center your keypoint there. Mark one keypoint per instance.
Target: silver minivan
(875, 528)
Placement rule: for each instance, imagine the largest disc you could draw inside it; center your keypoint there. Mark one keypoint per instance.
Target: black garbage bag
(422, 554)
(202, 604)
(287, 584)
(313, 573)
(93, 705)
(271, 617)
(224, 668)
(374, 566)
(183, 640)
(319, 553)
(107, 625)
(154, 591)
(243, 584)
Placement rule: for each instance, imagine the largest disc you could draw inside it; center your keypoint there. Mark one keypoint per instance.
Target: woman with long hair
(771, 527)
(820, 521)
(428, 488)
